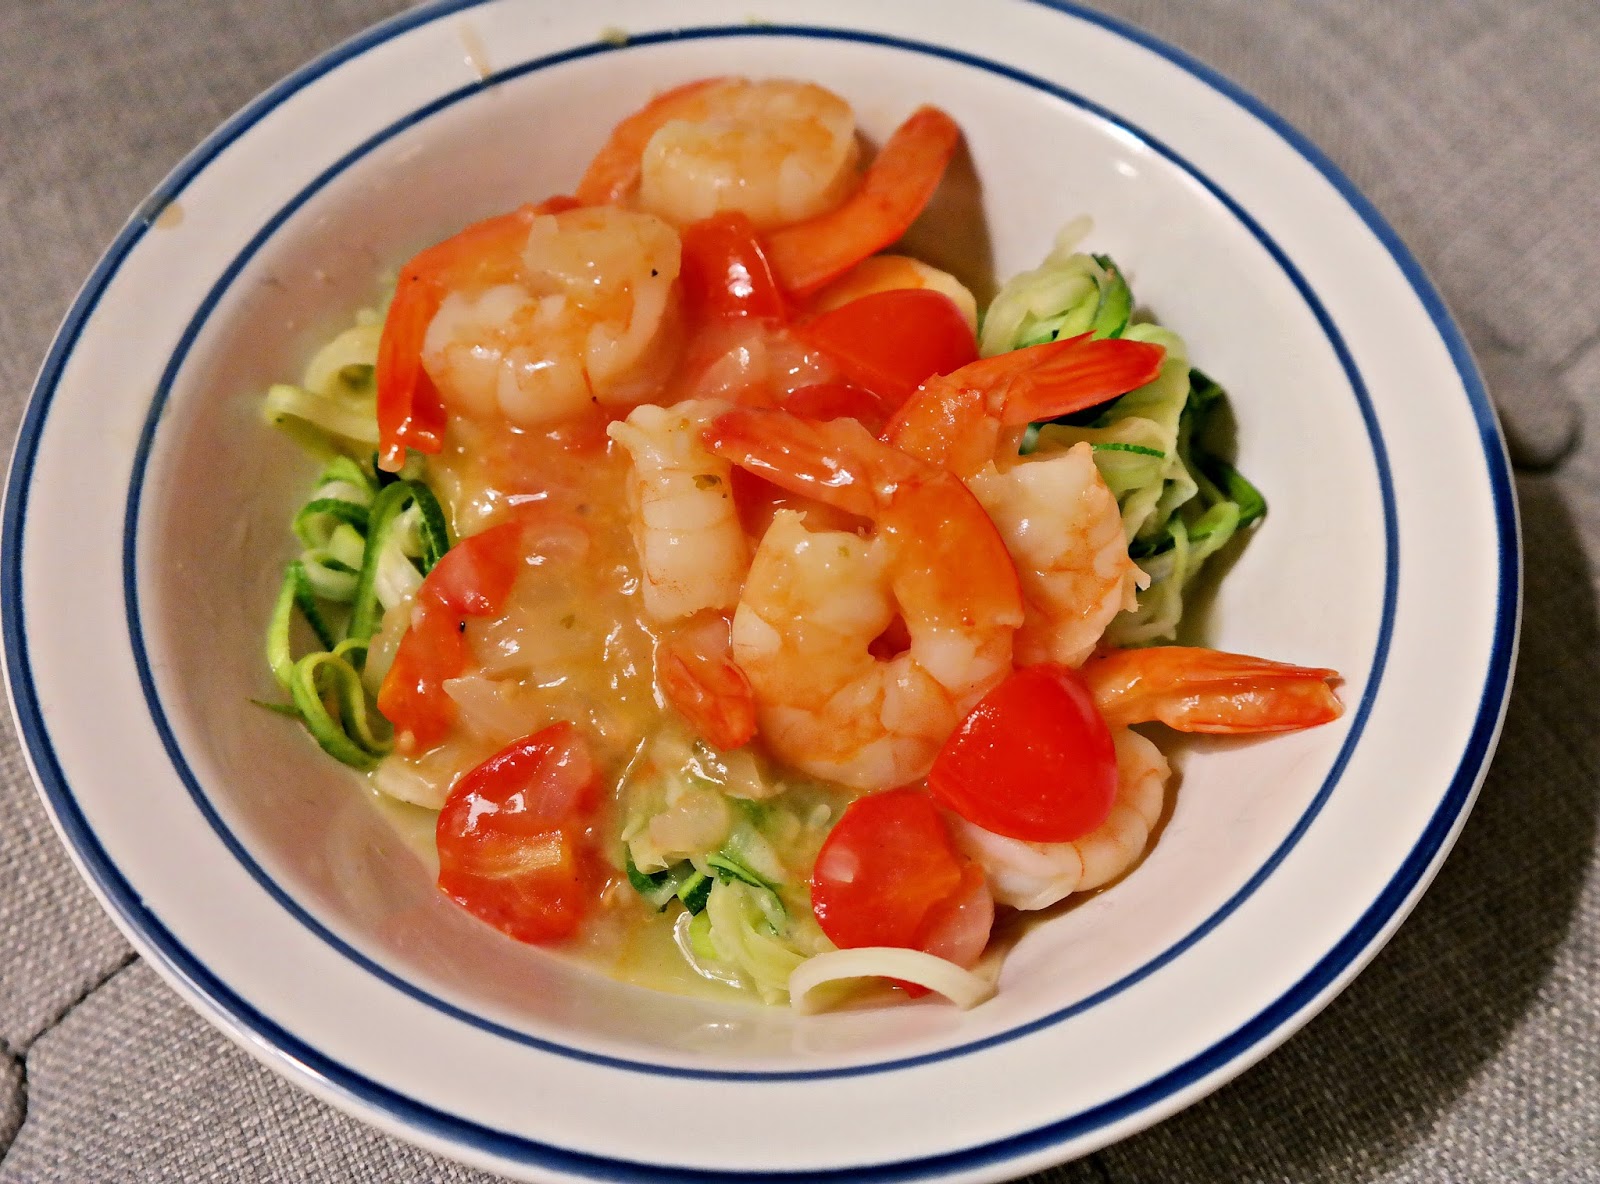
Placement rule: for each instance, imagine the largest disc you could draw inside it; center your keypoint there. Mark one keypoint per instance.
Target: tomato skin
(472, 579)
(726, 274)
(512, 849)
(885, 872)
(412, 697)
(892, 342)
(1034, 760)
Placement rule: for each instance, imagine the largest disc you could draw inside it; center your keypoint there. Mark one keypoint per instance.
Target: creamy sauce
(573, 644)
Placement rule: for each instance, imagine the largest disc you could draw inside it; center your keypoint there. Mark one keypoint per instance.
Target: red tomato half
(888, 873)
(472, 579)
(1033, 760)
(725, 271)
(892, 342)
(511, 836)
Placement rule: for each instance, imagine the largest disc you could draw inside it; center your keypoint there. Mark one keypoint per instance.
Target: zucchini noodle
(368, 540)
(334, 412)
(808, 981)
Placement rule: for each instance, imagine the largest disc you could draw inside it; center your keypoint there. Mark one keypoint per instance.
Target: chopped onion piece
(961, 987)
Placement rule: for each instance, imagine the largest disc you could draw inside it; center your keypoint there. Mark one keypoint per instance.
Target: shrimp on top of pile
(693, 393)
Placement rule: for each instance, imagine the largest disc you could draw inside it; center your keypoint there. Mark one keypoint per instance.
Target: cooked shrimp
(897, 186)
(1036, 875)
(1060, 523)
(528, 318)
(883, 273)
(1064, 531)
(693, 556)
(779, 152)
(697, 675)
(410, 413)
(1200, 690)
(815, 601)
(692, 550)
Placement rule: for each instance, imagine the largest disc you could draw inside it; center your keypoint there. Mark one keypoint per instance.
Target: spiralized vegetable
(807, 983)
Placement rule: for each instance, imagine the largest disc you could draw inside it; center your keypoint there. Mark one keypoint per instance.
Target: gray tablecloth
(1469, 1050)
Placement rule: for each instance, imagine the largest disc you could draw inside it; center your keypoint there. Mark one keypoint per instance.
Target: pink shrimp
(410, 411)
(816, 601)
(526, 319)
(1060, 522)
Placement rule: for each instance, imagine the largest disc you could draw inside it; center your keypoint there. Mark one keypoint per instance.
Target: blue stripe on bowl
(234, 1012)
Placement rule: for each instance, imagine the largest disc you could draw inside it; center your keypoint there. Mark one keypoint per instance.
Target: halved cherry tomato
(412, 697)
(725, 271)
(889, 874)
(1033, 760)
(511, 840)
(472, 579)
(892, 342)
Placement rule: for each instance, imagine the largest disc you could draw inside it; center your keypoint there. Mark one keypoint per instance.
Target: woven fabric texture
(1468, 1051)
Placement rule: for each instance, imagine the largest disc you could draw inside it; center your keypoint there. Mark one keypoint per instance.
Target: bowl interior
(219, 489)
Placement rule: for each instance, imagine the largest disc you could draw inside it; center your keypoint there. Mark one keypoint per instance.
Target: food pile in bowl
(749, 604)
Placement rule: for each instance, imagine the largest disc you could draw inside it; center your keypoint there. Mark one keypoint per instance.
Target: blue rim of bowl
(1345, 956)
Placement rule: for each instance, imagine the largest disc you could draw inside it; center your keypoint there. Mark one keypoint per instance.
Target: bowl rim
(1251, 1040)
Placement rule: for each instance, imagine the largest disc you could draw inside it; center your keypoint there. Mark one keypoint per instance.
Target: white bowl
(145, 533)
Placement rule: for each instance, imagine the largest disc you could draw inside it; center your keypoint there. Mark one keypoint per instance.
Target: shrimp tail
(701, 680)
(615, 169)
(809, 457)
(1060, 377)
(410, 411)
(896, 187)
(956, 419)
(1199, 690)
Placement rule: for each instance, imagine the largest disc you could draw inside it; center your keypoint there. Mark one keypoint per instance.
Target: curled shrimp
(1059, 521)
(816, 601)
(692, 550)
(410, 411)
(528, 318)
(1199, 690)
(1036, 875)
(693, 556)
(785, 154)
(777, 151)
